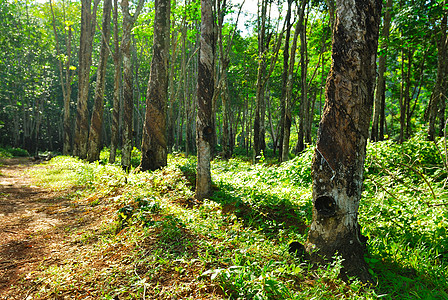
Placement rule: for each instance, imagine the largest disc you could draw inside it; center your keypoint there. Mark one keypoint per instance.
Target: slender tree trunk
(88, 23)
(128, 87)
(308, 113)
(284, 83)
(68, 95)
(381, 82)
(154, 142)
(338, 162)
(222, 86)
(407, 96)
(260, 87)
(289, 87)
(65, 84)
(116, 97)
(96, 122)
(439, 95)
(171, 121)
(300, 29)
(205, 88)
(331, 12)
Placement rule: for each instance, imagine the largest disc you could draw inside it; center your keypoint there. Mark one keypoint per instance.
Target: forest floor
(25, 223)
(32, 222)
(76, 230)
(47, 234)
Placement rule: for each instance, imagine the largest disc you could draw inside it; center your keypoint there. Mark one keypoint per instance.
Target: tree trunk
(287, 119)
(67, 146)
(260, 87)
(284, 83)
(304, 102)
(66, 86)
(96, 122)
(222, 87)
(116, 97)
(154, 141)
(171, 121)
(381, 82)
(339, 157)
(128, 88)
(88, 23)
(204, 129)
(440, 88)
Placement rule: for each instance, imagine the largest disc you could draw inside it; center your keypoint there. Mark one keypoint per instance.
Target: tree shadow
(270, 215)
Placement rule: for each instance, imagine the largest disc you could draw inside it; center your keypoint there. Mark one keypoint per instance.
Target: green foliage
(237, 241)
(403, 214)
(13, 152)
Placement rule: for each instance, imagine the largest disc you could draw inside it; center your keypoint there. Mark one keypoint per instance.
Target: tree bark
(304, 103)
(222, 86)
(88, 23)
(65, 84)
(171, 121)
(96, 122)
(284, 83)
(440, 88)
(380, 94)
(154, 141)
(205, 91)
(260, 87)
(128, 88)
(304, 135)
(339, 157)
(116, 97)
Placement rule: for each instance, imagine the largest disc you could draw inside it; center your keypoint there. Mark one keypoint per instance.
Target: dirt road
(32, 220)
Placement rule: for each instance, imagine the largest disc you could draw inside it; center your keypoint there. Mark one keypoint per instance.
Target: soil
(41, 228)
(32, 221)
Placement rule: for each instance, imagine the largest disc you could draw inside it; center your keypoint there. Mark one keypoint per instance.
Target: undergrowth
(8, 152)
(155, 241)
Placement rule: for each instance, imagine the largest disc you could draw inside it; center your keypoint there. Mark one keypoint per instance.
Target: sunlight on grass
(155, 239)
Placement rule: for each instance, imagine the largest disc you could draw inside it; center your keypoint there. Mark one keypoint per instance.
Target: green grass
(158, 242)
(9, 152)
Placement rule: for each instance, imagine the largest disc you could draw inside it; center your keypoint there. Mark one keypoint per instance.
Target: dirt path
(32, 221)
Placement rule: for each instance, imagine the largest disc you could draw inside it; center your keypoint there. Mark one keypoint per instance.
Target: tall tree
(260, 107)
(117, 57)
(377, 133)
(65, 83)
(339, 157)
(304, 136)
(128, 87)
(299, 29)
(263, 74)
(154, 142)
(440, 90)
(96, 122)
(227, 140)
(285, 74)
(205, 90)
(88, 23)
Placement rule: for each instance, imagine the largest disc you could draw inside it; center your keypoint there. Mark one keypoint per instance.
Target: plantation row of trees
(76, 74)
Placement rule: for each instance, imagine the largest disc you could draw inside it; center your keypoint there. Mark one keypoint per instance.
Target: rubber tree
(205, 90)
(440, 88)
(154, 141)
(96, 122)
(340, 151)
(117, 57)
(128, 79)
(65, 83)
(377, 133)
(88, 23)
